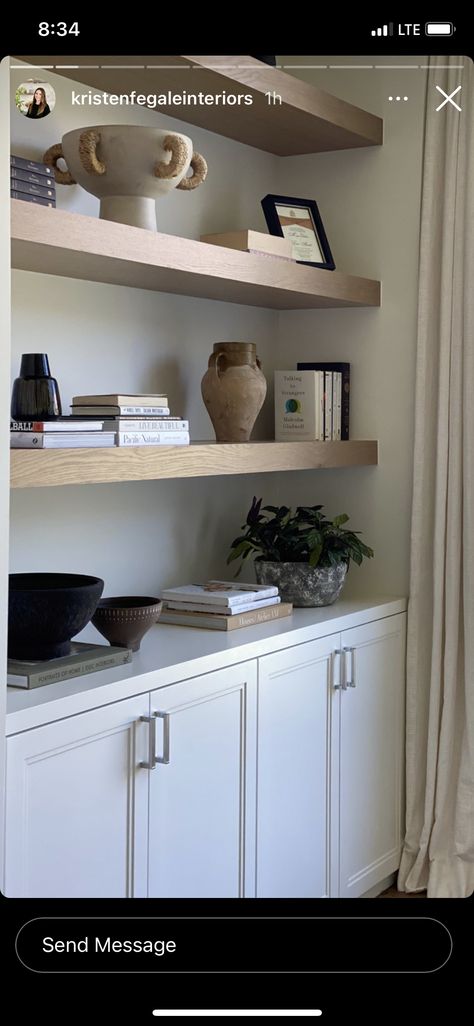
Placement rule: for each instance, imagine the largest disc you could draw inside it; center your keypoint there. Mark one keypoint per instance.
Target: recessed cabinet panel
(294, 711)
(77, 806)
(371, 754)
(202, 805)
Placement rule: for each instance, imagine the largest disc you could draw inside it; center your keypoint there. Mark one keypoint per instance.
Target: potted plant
(305, 554)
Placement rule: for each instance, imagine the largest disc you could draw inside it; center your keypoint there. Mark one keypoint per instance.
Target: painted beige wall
(369, 200)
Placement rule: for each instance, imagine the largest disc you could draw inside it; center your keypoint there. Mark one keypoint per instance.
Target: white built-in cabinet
(294, 752)
(202, 796)
(77, 806)
(330, 716)
(368, 735)
(279, 776)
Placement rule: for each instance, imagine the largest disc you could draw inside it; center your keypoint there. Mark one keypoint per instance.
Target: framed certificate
(299, 221)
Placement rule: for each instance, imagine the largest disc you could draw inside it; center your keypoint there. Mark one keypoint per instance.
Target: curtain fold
(439, 844)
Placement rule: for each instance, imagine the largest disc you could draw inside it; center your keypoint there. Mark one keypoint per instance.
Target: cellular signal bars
(384, 30)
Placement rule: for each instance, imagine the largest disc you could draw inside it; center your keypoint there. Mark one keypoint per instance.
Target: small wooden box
(253, 242)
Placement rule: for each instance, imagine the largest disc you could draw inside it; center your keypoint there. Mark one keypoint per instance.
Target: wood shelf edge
(54, 467)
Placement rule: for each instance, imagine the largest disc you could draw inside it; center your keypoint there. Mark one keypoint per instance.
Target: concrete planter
(302, 584)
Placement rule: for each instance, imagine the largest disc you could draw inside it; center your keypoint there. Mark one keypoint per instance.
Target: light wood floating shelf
(74, 246)
(50, 467)
(308, 120)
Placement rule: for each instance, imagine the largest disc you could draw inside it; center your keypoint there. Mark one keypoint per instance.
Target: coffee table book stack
(134, 419)
(32, 182)
(84, 658)
(222, 605)
(62, 433)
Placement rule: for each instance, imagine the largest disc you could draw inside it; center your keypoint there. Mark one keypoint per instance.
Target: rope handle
(51, 157)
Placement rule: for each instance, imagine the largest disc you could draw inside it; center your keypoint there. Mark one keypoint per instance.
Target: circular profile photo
(35, 99)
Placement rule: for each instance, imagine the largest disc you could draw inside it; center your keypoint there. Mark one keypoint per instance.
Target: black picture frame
(270, 204)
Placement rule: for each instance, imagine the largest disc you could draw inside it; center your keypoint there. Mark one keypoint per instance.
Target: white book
(337, 406)
(66, 424)
(297, 405)
(320, 422)
(201, 607)
(327, 406)
(67, 440)
(152, 438)
(120, 411)
(116, 399)
(146, 424)
(220, 594)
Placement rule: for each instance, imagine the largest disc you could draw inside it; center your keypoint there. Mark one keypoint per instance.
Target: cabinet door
(202, 798)
(294, 774)
(77, 806)
(371, 734)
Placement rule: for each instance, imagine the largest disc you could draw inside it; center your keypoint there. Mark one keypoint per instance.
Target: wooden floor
(392, 892)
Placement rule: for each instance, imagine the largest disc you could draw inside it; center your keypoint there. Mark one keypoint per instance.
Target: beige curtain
(439, 844)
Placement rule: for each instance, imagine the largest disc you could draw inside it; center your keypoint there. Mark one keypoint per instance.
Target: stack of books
(32, 182)
(135, 419)
(222, 605)
(312, 403)
(62, 433)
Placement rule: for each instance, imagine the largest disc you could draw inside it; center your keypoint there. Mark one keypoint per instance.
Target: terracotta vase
(233, 389)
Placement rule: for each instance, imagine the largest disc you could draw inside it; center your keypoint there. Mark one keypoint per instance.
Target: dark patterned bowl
(46, 610)
(125, 619)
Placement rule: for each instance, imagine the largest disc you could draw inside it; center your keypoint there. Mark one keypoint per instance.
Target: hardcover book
(146, 424)
(62, 440)
(32, 199)
(220, 594)
(114, 399)
(250, 241)
(120, 411)
(84, 658)
(299, 398)
(32, 177)
(31, 189)
(200, 607)
(345, 370)
(61, 424)
(223, 622)
(31, 165)
(152, 438)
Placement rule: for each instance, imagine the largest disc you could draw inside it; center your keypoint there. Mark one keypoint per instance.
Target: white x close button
(449, 99)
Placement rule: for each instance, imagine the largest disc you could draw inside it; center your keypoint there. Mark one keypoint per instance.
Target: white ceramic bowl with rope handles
(127, 167)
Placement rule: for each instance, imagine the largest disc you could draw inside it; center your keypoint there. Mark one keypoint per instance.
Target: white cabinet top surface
(170, 654)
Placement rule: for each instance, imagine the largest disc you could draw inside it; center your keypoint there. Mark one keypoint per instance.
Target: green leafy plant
(20, 97)
(275, 534)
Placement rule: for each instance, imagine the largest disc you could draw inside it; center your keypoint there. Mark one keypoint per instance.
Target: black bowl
(46, 610)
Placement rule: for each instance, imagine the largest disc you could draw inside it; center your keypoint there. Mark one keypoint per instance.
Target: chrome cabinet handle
(349, 653)
(151, 764)
(165, 758)
(340, 684)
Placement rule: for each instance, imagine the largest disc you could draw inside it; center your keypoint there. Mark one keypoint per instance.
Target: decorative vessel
(233, 389)
(46, 610)
(125, 619)
(302, 584)
(35, 393)
(127, 167)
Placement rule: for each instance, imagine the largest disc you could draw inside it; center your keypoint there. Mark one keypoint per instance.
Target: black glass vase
(35, 394)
